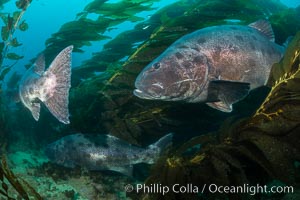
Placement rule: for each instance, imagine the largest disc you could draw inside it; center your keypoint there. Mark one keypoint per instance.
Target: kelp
(21, 186)
(282, 105)
(285, 23)
(79, 33)
(117, 50)
(120, 10)
(12, 22)
(180, 18)
(118, 111)
(84, 30)
(255, 150)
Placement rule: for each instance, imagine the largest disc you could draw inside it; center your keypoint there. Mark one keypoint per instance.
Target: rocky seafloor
(54, 182)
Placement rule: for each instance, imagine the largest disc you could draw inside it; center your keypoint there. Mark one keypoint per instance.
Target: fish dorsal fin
(264, 27)
(39, 65)
(163, 142)
(287, 42)
(124, 169)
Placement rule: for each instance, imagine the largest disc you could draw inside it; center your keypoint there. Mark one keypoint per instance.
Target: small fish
(103, 152)
(50, 87)
(217, 65)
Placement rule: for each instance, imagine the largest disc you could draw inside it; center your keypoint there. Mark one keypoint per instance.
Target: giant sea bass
(217, 65)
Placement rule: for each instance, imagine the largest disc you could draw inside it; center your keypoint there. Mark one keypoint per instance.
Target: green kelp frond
(23, 4)
(87, 29)
(288, 18)
(21, 186)
(12, 22)
(120, 10)
(282, 105)
(252, 151)
(78, 33)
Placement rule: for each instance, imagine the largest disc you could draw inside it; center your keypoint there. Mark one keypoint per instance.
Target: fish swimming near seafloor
(217, 65)
(50, 87)
(103, 152)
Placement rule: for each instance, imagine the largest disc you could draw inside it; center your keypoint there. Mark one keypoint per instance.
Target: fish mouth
(142, 94)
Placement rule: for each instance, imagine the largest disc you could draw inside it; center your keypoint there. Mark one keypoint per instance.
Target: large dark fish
(217, 65)
(50, 87)
(103, 152)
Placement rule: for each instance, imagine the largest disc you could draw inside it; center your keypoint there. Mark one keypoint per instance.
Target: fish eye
(156, 65)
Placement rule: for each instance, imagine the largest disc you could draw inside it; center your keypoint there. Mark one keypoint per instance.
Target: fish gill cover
(105, 101)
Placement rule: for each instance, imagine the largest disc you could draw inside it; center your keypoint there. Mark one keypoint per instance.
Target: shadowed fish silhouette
(50, 87)
(103, 152)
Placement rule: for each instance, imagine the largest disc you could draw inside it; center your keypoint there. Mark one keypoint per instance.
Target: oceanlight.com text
(210, 188)
(250, 189)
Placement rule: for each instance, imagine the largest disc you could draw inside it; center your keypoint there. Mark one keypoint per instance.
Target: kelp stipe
(21, 186)
(253, 151)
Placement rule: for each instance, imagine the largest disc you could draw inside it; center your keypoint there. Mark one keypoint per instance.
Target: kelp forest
(257, 143)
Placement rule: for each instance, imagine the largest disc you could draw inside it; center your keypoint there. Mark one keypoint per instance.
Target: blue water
(46, 17)
(291, 3)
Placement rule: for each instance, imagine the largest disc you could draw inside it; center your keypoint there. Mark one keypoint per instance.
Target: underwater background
(113, 41)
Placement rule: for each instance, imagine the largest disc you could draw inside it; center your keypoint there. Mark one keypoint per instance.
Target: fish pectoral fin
(221, 106)
(39, 65)
(35, 110)
(222, 94)
(126, 170)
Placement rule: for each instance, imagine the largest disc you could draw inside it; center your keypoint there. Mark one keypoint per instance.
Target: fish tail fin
(163, 142)
(157, 148)
(59, 78)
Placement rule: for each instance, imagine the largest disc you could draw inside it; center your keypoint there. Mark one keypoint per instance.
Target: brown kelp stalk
(21, 186)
